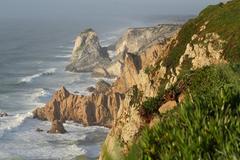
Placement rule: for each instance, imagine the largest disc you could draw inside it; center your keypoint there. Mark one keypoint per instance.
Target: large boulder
(87, 53)
(168, 106)
(3, 114)
(57, 127)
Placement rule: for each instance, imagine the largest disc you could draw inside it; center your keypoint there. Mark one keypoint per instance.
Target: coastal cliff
(135, 41)
(166, 92)
(198, 64)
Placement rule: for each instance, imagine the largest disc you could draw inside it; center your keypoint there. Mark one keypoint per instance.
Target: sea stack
(87, 53)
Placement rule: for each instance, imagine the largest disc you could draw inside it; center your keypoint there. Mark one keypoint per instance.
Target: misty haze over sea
(36, 39)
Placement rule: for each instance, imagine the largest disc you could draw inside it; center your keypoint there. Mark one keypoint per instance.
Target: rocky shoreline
(101, 107)
(106, 103)
(137, 51)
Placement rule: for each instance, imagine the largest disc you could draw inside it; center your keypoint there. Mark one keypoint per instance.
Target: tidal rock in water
(39, 130)
(3, 114)
(87, 53)
(57, 127)
(99, 108)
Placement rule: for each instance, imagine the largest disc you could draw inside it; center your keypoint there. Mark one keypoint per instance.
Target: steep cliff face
(135, 41)
(143, 91)
(204, 41)
(87, 53)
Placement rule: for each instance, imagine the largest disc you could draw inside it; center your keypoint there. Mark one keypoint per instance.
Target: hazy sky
(72, 8)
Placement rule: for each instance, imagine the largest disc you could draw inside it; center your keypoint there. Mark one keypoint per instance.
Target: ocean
(33, 56)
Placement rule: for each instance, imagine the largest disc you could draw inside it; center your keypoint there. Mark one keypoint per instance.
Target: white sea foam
(64, 56)
(40, 95)
(21, 140)
(11, 122)
(66, 47)
(45, 72)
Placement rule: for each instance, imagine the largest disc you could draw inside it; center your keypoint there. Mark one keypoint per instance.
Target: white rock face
(205, 53)
(87, 53)
(136, 39)
(200, 52)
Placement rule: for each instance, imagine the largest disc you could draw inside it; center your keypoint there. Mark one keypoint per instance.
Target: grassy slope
(206, 126)
(223, 20)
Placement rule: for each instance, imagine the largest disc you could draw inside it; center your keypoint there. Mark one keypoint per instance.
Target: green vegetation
(184, 37)
(206, 126)
(136, 97)
(223, 20)
(149, 70)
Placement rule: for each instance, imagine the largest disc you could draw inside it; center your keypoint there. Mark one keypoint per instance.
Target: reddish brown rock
(95, 109)
(57, 127)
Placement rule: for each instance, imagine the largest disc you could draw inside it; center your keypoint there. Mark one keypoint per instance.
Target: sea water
(33, 56)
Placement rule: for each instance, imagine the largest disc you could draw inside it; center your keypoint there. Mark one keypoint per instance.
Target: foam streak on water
(21, 130)
(45, 72)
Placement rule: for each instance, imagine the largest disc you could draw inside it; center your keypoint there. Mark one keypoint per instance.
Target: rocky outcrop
(124, 132)
(87, 53)
(99, 108)
(57, 127)
(199, 53)
(170, 105)
(3, 114)
(135, 41)
(114, 69)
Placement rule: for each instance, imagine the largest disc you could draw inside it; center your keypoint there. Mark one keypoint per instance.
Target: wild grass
(205, 126)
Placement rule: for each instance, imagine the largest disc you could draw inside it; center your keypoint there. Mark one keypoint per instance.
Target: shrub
(206, 126)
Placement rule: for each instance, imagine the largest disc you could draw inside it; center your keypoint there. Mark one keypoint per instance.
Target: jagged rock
(126, 128)
(136, 40)
(87, 53)
(170, 105)
(113, 70)
(57, 127)
(129, 122)
(96, 109)
(39, 130)
(3, 114)
(100, 72)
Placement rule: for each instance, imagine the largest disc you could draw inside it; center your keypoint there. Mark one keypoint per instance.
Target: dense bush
(206, 126)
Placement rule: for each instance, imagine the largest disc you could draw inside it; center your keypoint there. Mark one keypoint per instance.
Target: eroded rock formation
(87, 53)
(57, 127)
(99, 108)
(135, 41)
